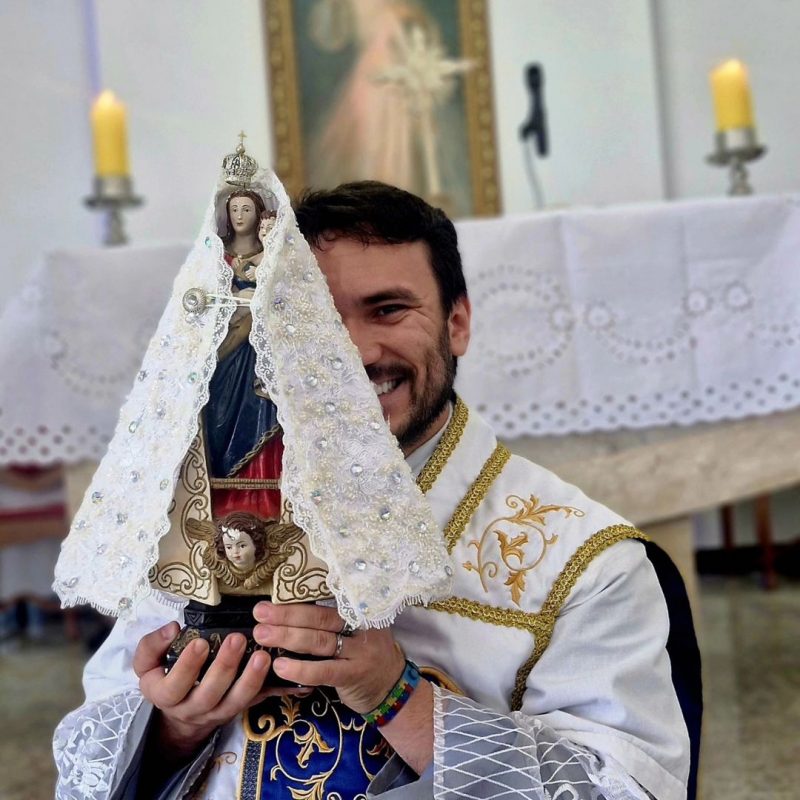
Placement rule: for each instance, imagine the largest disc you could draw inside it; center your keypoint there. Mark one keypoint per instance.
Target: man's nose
(366, 342)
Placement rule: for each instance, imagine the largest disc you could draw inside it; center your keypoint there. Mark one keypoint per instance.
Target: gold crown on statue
(239, 167)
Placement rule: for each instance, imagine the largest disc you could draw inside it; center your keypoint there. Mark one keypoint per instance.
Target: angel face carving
(239, 549)
(242, 550)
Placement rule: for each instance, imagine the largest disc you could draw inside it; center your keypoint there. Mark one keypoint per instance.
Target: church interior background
(630, 124)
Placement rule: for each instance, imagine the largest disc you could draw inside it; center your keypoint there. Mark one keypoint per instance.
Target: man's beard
(428, 403)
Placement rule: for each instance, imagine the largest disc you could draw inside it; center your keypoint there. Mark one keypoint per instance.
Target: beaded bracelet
(398, 696)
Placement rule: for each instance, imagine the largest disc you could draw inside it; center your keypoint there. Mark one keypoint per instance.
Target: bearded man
(545, 672)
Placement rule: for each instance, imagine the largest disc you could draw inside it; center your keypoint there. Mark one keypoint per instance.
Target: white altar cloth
(70, 346)
(633, 317)
(625, 317)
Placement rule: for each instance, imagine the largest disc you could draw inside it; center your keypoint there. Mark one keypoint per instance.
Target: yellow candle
(731, 89)
(110, 136)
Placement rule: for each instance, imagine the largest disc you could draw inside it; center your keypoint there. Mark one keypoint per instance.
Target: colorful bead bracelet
(398, 696)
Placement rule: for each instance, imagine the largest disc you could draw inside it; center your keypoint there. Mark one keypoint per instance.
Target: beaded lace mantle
(343, 472)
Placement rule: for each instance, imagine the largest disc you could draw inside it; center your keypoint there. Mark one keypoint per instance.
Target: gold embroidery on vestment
(540, 623)
(307, 736)
(447, 444)
(529, 517)
(474, 496)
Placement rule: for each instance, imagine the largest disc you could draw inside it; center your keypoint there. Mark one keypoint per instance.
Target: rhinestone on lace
(322, 443)
(134, 476)
(161, 411)
(330, 407)
(141, 535)
(385, 591)
(448, 570)
(290, 329)
(413, 567)
(125, 604)
(376, 426)
(142, 375)
(122, 518)
(360, 564)
(101, 548)
(133, 426)
(72, 582)
(396, 477)
(279, 304)
(192, 377)
(166, 341)
(316, 496)
(164, 484)
(356, 469)
(97, 497)
(337, 363)
(81, 523)
(311, 381)
(385, 513)
(422, 527)
(344, 532)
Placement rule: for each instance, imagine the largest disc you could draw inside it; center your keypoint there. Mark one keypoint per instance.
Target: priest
(543, 669)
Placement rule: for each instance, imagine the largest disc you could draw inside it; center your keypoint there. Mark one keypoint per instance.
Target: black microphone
(536, 124)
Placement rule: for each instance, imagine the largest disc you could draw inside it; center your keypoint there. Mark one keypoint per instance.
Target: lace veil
(343, 472)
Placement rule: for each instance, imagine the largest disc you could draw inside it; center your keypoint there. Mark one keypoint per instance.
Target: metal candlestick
(112, 194)
(734, 148)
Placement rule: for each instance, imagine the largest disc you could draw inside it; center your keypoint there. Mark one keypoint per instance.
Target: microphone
(535, 126)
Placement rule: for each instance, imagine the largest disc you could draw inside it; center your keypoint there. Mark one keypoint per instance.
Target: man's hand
(369, 665)
(190, 713)
(364, 672)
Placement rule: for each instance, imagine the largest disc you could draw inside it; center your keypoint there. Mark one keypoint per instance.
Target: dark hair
(248, 523)
(370, 211)
(227, 236)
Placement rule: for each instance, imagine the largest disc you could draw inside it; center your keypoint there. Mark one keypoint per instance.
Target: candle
(731, 90)
(110, 136)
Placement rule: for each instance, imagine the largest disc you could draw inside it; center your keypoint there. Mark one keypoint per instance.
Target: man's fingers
(299, 615)
(249, 688)
(165, 691)
(151, 649)
(221, 674)
(312, 673)
(298, 640)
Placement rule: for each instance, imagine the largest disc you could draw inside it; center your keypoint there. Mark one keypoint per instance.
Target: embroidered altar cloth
(583, 320)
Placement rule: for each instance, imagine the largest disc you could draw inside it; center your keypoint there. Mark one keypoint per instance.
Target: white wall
(191, 73)
(600, 93)
(45, 157)
(693, 37)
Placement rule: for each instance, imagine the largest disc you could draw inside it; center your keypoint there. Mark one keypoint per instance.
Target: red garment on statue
(264, 503)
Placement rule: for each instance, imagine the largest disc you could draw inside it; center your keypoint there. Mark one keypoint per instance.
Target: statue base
(234, 614)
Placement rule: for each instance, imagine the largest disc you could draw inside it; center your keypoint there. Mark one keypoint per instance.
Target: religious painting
(390, 90)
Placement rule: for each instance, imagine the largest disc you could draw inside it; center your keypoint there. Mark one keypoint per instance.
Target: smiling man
(545, 672)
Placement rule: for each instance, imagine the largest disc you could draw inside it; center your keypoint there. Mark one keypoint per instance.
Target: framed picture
(391, 90)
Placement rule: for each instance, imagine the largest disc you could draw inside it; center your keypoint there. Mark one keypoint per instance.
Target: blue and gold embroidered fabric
(309, 747)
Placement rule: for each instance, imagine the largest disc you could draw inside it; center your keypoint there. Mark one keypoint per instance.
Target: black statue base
(234, 614)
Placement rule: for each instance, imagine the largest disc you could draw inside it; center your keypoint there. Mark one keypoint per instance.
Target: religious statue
(231, 535)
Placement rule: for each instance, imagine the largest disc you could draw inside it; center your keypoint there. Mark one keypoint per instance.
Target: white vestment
(555, 637)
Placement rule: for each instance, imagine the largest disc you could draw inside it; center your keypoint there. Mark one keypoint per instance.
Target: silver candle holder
(734, 148)
(112, 194)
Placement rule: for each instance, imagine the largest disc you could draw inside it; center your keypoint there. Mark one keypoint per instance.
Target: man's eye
(385, 311)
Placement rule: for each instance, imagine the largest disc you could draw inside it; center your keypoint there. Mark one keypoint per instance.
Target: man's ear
(458, 325)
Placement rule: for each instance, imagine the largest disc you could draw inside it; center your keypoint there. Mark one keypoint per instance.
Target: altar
(649, 353)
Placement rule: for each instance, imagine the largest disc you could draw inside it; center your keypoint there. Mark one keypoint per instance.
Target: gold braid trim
(447, 444)
(475, 494)
(560, 590)
(528, 621)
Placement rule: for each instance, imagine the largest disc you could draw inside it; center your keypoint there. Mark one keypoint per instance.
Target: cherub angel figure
(242, 550)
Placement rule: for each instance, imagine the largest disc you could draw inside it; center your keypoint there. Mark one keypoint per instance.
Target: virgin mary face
(243, 215)
(239, 549)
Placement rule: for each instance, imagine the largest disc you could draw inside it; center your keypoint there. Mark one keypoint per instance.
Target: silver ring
(347, 629)
(339, 644)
